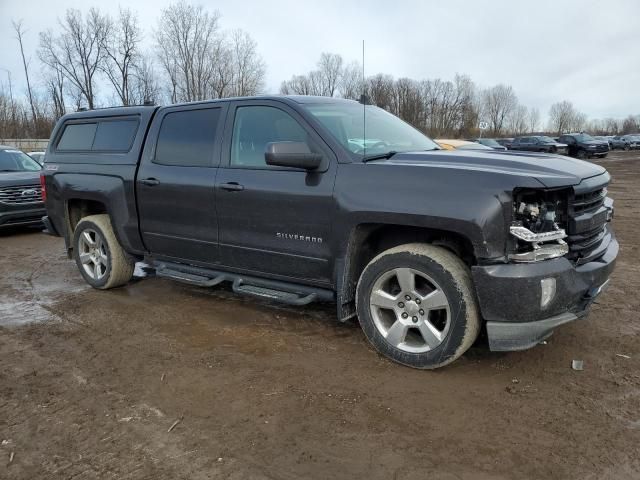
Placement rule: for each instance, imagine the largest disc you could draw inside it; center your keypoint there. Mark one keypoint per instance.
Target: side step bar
(184, 277)
(284, 292)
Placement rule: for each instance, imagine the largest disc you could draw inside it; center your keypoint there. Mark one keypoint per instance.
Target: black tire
(627, 147)
(553, 150)
(450, 275)
(582, 155)
(116, 267)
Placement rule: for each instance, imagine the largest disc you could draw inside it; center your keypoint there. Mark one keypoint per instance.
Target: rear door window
(187, 138)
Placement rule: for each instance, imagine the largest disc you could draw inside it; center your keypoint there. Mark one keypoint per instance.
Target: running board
(284, 292)
(190, 278)
(289, 298)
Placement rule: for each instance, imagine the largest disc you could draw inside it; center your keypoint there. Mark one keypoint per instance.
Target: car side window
(187, 138)
(256, 126)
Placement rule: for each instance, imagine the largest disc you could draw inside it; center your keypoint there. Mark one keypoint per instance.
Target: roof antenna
(364, 107)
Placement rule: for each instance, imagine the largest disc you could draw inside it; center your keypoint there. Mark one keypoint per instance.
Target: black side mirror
(292, 154)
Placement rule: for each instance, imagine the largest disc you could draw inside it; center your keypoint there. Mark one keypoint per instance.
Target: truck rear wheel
(98, 254)
(416, 304)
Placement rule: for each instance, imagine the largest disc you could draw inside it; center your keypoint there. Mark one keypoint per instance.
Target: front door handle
(232, 187)
(150, 182)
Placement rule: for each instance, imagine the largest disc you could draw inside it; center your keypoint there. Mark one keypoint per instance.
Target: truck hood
(9, 179)
(550, 170)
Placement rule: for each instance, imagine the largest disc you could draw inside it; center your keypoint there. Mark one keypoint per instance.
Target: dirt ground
(92, 381)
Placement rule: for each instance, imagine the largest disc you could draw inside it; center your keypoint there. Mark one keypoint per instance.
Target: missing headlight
(538, 218)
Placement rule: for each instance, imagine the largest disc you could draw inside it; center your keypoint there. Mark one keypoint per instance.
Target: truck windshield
(16, 161)
(583, 137)
(378, 133)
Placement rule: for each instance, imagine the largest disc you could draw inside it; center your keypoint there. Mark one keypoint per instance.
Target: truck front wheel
(417, 306)
(98, 254)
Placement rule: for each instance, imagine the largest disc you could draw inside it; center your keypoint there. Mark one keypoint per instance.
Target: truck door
(176, 182)
(273, 220)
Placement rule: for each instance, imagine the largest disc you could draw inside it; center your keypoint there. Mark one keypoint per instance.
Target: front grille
(589, 201)
(21, 194)
(588, 218)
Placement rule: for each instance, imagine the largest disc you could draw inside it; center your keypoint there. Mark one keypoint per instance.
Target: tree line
(94, 60)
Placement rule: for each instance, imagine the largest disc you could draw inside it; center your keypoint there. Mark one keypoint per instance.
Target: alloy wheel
(410, 310)
(93, 254)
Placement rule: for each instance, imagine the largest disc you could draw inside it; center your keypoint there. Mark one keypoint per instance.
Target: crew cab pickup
(302, 199)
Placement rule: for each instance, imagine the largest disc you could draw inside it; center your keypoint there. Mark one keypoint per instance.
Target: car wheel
(98, 254)
(553, 150)
(627, 147)
(582, 155)
(416, 304)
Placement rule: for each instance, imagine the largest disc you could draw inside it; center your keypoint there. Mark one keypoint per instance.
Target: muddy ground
(92, 381)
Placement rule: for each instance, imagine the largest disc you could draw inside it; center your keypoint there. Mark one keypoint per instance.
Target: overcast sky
(583, 51)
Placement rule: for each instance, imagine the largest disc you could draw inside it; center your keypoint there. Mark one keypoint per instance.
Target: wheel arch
(367, 240)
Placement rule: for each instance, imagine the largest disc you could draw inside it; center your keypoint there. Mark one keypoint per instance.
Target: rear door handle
(150, 182)
(232, 187)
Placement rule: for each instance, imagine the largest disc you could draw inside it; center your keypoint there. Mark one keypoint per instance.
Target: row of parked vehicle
(580, 145)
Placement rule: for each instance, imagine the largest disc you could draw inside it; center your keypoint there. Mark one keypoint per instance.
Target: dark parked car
(625, 142)
(538, 143)
(277, 196)
(583, 145)
(489, 142)
(20, 199)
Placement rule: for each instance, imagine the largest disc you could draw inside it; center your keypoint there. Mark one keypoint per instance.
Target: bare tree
(121, 45)
(144, 84)
(533, 119)
(562, 117)
(518, 120)
(56, 91)
(351, 81)
(631, 124)
(186, 36)
(17, 26)
(248, 68)
(498, 103)
(330, 69)
(78, 51)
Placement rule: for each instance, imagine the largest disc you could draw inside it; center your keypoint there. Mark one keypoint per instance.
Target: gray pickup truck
(302, 199)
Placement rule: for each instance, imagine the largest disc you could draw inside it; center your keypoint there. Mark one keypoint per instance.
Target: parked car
(583, 145)
(489, 142)
(505, 142)
(538, 143)
(630, 141)
(20, 199)
(450, 144)
(427, 247)
(37, 156)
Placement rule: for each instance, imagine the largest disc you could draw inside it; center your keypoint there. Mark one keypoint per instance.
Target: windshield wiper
(379, 156)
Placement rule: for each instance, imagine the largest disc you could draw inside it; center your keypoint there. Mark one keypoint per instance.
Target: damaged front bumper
(511, 297)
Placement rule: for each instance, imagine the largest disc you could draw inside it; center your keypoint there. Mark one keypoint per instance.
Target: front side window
(256, 126)
(17, 161)
(187, 138)
(369, 130)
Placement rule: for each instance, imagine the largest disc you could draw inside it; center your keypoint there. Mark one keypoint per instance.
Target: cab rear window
(99, 136)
